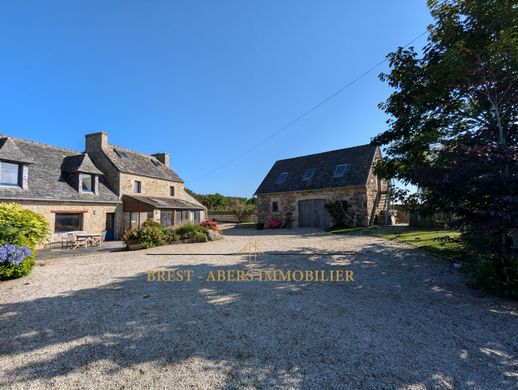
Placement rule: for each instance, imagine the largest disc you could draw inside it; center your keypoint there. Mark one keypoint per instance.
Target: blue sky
(202, 80)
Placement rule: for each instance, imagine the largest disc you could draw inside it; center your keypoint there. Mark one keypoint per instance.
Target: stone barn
(299, 188)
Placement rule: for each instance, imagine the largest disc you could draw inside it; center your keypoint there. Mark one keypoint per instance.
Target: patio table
(88, 237)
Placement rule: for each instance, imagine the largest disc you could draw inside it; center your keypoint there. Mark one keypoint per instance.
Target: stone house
(302, 186)
(106, 188)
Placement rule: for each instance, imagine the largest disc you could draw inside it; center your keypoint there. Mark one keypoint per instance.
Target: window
(340, 170)
(282, 177)
(167, 217)
(156, 163)
(275, 207)
(10, 174)
(308, 174)
(134, 220)
(137, 187)
(121, 154)
(68, 222)
(171, 190)
(86, 183)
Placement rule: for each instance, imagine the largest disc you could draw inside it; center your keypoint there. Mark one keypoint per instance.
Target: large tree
(453, 115)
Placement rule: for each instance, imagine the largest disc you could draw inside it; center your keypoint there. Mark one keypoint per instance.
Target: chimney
(162, 157)
(96, 141)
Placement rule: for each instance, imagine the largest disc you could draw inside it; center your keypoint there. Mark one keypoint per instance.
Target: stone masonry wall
(373, 186)
(94, 215)
(158, 188)
(288, 202)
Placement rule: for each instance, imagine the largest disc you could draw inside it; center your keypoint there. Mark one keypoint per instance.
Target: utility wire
(300, 117)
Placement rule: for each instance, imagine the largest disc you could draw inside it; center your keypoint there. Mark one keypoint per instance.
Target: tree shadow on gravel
(403, 321)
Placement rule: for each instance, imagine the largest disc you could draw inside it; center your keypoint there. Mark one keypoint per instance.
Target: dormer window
(340, 170)
(308, 174)
(87, 183)
(282, 177)
(10, 174)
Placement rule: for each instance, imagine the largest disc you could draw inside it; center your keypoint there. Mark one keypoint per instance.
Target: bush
(20, 226)
(130, 237)
(498, 273)
(171, 235)
(188, 230)
(342, 213)
(202, 236)
(21, 230)
(150, 234)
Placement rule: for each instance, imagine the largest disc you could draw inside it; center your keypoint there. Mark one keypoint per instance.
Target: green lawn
(446, 243)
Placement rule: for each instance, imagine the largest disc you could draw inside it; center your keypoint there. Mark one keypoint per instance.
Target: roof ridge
(326, 152)
(41, 144)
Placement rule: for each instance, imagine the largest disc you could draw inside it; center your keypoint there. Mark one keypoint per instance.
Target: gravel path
(407, 321)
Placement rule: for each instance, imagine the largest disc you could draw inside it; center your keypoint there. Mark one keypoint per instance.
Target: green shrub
(150, 234)
(188, 230)
(498, 273)
(171, 235)
(130, 236)
(202, 236)
(22, 228)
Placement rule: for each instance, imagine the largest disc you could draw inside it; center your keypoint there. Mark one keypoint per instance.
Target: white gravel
(407, 322)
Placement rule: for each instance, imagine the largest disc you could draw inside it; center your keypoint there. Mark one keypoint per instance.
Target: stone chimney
(162, 157)
(96, 141)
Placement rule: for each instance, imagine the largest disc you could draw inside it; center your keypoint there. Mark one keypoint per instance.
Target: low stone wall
(230, 218)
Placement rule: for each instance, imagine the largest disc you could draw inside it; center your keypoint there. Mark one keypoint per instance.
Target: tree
(452, 127)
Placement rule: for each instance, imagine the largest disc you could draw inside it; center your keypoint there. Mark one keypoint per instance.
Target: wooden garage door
(312, 213)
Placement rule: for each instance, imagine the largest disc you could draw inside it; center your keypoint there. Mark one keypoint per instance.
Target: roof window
(121, 154)
(282, 177)
(340, 170)
(308, 174)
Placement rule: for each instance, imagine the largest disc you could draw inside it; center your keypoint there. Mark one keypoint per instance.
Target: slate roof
(358, 159)
(10, 152)
(164, 203)
(80, 164)
(140, 164)
(47, 178)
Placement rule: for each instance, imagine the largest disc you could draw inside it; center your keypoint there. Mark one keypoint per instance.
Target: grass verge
(447, 243)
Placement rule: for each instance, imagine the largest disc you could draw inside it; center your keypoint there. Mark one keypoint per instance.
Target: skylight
(308, 174)
(340, 170)
(282, 177)
(121, 154)
(156, 162)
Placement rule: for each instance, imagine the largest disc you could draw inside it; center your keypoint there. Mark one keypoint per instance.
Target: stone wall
(373, 187)
(94, 214)
(288, 202)
(158, 188)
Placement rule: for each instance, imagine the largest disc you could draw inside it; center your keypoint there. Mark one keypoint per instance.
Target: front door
(313, 213)
(110, 226)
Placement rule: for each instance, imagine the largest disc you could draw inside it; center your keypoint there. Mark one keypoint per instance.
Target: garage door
(313, 213)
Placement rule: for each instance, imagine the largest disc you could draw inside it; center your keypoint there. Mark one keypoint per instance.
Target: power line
(300, 117)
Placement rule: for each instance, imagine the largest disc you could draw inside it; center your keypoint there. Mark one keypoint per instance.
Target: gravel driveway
(407, 321)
